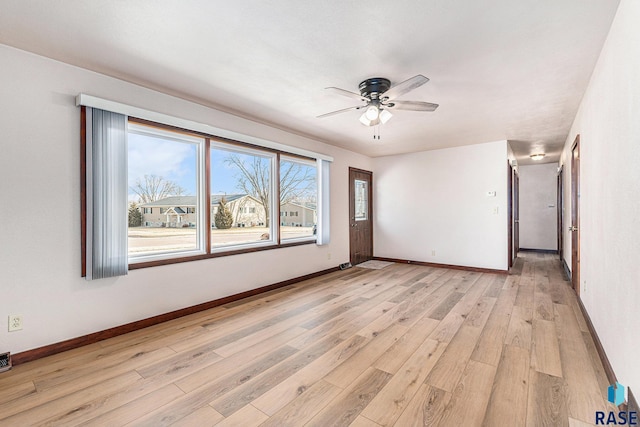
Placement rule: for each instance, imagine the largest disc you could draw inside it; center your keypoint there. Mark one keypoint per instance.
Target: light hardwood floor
(402, 346)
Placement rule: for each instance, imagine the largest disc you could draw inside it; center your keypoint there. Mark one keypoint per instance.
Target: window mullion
(207, 196)
(277, 199)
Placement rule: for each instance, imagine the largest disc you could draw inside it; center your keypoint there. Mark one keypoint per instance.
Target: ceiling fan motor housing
(374, 87)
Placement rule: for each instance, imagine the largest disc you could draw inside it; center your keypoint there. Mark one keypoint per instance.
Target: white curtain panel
(106, 148)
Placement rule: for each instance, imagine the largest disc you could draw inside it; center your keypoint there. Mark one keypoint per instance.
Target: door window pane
(298, 198)
(361, 200)
(163, 188)
(241, 187)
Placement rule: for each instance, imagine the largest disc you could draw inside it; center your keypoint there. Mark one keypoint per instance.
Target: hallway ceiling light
(538, 156)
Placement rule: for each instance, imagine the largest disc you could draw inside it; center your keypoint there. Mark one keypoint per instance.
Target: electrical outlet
(329, 255)
(433, 253)
(15, 322)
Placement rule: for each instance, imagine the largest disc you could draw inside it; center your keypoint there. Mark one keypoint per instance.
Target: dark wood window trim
(208, 139)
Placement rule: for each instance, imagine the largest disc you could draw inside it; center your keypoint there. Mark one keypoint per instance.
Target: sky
(176, 161)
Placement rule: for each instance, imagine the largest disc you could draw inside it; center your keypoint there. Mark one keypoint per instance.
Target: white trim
(141, 113)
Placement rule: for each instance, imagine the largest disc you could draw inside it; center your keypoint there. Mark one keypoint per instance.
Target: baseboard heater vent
(345, 265)
(5, 362)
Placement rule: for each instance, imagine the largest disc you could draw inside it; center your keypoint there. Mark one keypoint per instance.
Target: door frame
(560, 208)
(369, 207)
(516, 213)
(575, 215)
(510, 212)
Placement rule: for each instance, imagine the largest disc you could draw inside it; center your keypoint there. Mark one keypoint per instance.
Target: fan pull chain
(377, 127)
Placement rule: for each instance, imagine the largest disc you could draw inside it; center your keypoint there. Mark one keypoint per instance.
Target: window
(299, 191)
(361, 200)
(163, 171)
(192, 195)
(241, 177)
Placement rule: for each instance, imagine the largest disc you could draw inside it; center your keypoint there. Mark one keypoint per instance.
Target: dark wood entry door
(360, 216)
(575, 216)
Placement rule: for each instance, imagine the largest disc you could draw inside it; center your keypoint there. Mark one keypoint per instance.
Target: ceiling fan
(380, 97)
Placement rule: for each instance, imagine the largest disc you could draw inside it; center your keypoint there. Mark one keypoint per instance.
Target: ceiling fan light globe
(372, 112)
(385, 116)
(365, 121)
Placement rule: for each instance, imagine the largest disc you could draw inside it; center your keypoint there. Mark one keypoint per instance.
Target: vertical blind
(106, 151)
(324, 208)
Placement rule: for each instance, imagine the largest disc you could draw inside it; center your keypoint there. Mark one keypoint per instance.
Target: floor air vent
(5, 362)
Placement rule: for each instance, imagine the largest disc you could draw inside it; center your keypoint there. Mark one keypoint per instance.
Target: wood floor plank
(238, 362)
(248, 416)
(547, 406)
(449, 368)
(17, 391)
(425, 409)
(542, 306)
(448, 327)
(396, 355)
(601, 376)
(345, 324)
(525, 294)
(40, 407)
(470, 396)
(218, 387)
(347, 372)
(203, 417)
(361, 421)
(389, 403)
(297, 384)
(476, 286)
(583, 388)
(519, 331)
(304, 407)
(495, 286)
(478, 316)
(545, 353)
(256, 387)
(346, 407)
(508, 401)
(138, 408)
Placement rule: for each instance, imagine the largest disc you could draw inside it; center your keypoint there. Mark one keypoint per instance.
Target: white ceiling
(500, 69)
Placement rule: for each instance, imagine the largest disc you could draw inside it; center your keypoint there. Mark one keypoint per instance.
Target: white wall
(40, 179)
(437, 201)
(538, 210)
(608, 123)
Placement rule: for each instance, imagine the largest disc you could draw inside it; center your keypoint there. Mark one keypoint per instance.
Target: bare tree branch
(154, 187)
(297, 182)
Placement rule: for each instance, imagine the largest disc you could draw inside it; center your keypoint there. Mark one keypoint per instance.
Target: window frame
(308, 162)
(204, 216)
(200, 144)
(274, 229)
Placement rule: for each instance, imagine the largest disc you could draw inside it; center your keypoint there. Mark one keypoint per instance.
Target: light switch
(491, 194)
